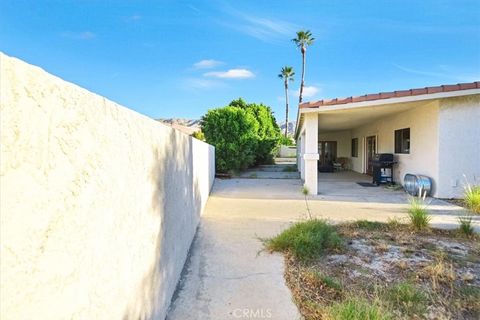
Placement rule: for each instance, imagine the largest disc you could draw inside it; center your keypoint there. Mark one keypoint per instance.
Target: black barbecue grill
(382, 164)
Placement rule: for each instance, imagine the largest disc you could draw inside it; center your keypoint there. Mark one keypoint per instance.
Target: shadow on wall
(172, 176)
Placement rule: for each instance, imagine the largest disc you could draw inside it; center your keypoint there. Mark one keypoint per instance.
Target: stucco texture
(99, 204)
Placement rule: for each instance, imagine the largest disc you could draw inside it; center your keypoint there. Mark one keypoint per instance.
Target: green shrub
(357, 309)
(232, 131)
(418, 214)
(407, 298)
(465, 225)
(243, 135)
(286, 141)
(268, 134)
(472, 198)
(306, 240)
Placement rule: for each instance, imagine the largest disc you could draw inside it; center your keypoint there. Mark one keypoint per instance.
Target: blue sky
(180, 58)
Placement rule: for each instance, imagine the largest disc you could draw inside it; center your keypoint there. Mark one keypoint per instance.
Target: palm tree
(286, 74)
(303, 40)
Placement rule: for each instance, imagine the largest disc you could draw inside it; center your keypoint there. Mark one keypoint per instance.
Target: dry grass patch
(384, 271)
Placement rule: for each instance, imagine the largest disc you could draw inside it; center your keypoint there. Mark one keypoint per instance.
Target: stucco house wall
(99, 204)
(459, 145)
(423, 156)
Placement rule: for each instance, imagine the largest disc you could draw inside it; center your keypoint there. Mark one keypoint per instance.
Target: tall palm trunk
(286, 107)
(300, 97)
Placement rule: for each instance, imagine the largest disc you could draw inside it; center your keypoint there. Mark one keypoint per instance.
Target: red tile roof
(392, 94)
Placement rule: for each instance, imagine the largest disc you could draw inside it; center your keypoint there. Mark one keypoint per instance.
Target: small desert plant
(465, 225)
(305, 192)
(418, 213)
(357, 309)
(408, 298)
(472, 198)
(306, 240)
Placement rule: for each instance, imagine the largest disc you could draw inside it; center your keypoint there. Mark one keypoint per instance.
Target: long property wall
(459, 145)
(99, 204)
(423, 157)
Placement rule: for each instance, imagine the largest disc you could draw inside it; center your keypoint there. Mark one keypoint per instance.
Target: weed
(357, 309)
(305, 190)
(320, 280)
(369, 225)
(406, 297)
(472, 197)
(440, 271)
(306, 240)
(418, 213)
(253, 175)
(393, 223)
(465, 225)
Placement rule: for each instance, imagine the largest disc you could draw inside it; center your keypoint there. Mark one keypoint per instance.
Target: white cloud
(265, 29)
(308, 91)
(231, 74)
(207, 64)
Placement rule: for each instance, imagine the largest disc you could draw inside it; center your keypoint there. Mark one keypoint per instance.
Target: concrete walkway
(228, 277)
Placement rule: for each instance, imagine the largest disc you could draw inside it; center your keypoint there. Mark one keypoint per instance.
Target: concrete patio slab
(229, 277)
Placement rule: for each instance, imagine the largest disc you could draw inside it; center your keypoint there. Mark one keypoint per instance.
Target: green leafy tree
(286, 74)
(303, 40)
(243, 134)
(268, 133)
(232, 131)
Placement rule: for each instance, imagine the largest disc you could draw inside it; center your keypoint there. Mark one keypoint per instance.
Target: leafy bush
(418, 214)
(306, 240)
(243, 135)
(233, 133)
(268, 133)
(472, 198)
(285, 141)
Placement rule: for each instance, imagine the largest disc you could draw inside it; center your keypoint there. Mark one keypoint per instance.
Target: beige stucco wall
(459, 145)
(423, 156)
(99, 204)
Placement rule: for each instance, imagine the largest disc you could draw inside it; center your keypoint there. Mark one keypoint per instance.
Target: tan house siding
(459, 144)
(423, 156)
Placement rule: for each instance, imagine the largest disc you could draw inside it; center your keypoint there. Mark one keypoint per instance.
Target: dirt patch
(406, 275)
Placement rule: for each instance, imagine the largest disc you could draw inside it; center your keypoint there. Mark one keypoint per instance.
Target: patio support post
(310, 157)
(302, 152)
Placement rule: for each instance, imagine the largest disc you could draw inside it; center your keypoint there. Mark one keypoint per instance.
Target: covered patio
(422, 129)
(344, 186)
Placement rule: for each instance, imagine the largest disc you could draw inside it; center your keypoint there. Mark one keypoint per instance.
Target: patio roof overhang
(344, 114)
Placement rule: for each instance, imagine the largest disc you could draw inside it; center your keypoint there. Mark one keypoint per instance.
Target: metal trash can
(413, 183)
